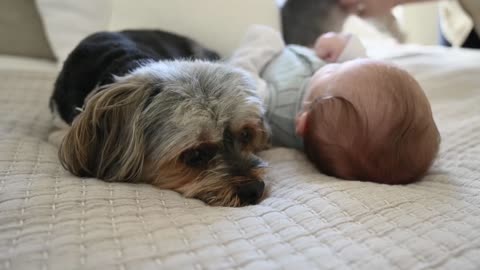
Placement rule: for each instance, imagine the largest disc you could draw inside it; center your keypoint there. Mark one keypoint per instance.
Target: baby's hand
(329, 46)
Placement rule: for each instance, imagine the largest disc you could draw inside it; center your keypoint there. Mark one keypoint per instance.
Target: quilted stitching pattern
(51, 220)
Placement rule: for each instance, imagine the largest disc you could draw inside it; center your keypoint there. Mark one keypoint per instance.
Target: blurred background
(419, 21)
(219, 24)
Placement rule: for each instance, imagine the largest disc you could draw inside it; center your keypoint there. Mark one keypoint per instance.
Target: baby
(361, 119)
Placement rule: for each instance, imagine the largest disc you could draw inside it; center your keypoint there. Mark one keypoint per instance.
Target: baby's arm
(336, 47)
(260, 45)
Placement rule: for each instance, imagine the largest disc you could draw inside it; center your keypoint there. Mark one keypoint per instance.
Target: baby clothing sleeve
(288, 77)
(260, 45)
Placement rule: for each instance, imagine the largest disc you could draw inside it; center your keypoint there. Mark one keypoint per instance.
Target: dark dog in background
(104, 54)
(303, 21)
(192, 126)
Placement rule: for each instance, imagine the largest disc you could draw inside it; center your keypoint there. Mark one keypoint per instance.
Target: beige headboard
(218, 24)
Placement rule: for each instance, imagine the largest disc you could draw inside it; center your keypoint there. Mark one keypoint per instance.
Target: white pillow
(69, 21)
(217, 24)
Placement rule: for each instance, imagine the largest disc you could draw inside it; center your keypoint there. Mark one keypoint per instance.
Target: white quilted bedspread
(52, 220)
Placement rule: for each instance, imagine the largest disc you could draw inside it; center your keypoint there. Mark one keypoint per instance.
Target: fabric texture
(288, 77)
(52, 220)
(260, 44)
(21, 30)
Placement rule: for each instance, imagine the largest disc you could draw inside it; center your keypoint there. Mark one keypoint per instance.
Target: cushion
(21, 30)
(67, 22)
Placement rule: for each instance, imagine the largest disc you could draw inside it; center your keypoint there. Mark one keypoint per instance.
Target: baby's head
(368, 120)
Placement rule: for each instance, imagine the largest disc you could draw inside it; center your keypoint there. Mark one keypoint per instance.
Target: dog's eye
(246, 136)
(199, 156)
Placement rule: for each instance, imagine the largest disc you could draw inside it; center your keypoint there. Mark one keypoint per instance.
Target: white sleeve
(354, 49)
(260, 45)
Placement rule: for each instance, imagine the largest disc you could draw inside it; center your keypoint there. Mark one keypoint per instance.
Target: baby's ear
(301, 123)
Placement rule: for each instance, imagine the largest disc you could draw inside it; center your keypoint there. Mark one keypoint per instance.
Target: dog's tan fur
(157, 123)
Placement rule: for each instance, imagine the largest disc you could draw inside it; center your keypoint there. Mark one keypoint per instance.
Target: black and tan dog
(192, 126)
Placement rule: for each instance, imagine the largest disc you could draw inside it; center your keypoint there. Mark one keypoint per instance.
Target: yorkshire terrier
(193, 126)
(303, 21)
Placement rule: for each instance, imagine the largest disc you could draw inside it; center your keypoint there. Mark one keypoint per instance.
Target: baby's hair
(397, 147)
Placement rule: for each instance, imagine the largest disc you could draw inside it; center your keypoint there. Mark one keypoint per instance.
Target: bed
(50, 219)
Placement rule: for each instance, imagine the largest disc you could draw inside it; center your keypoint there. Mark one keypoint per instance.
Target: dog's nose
(250, 193)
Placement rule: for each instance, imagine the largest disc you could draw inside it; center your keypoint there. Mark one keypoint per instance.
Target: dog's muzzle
(251, 192)
(246, 166)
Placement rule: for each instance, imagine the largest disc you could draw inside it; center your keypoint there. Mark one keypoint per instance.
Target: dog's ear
(106, 140)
